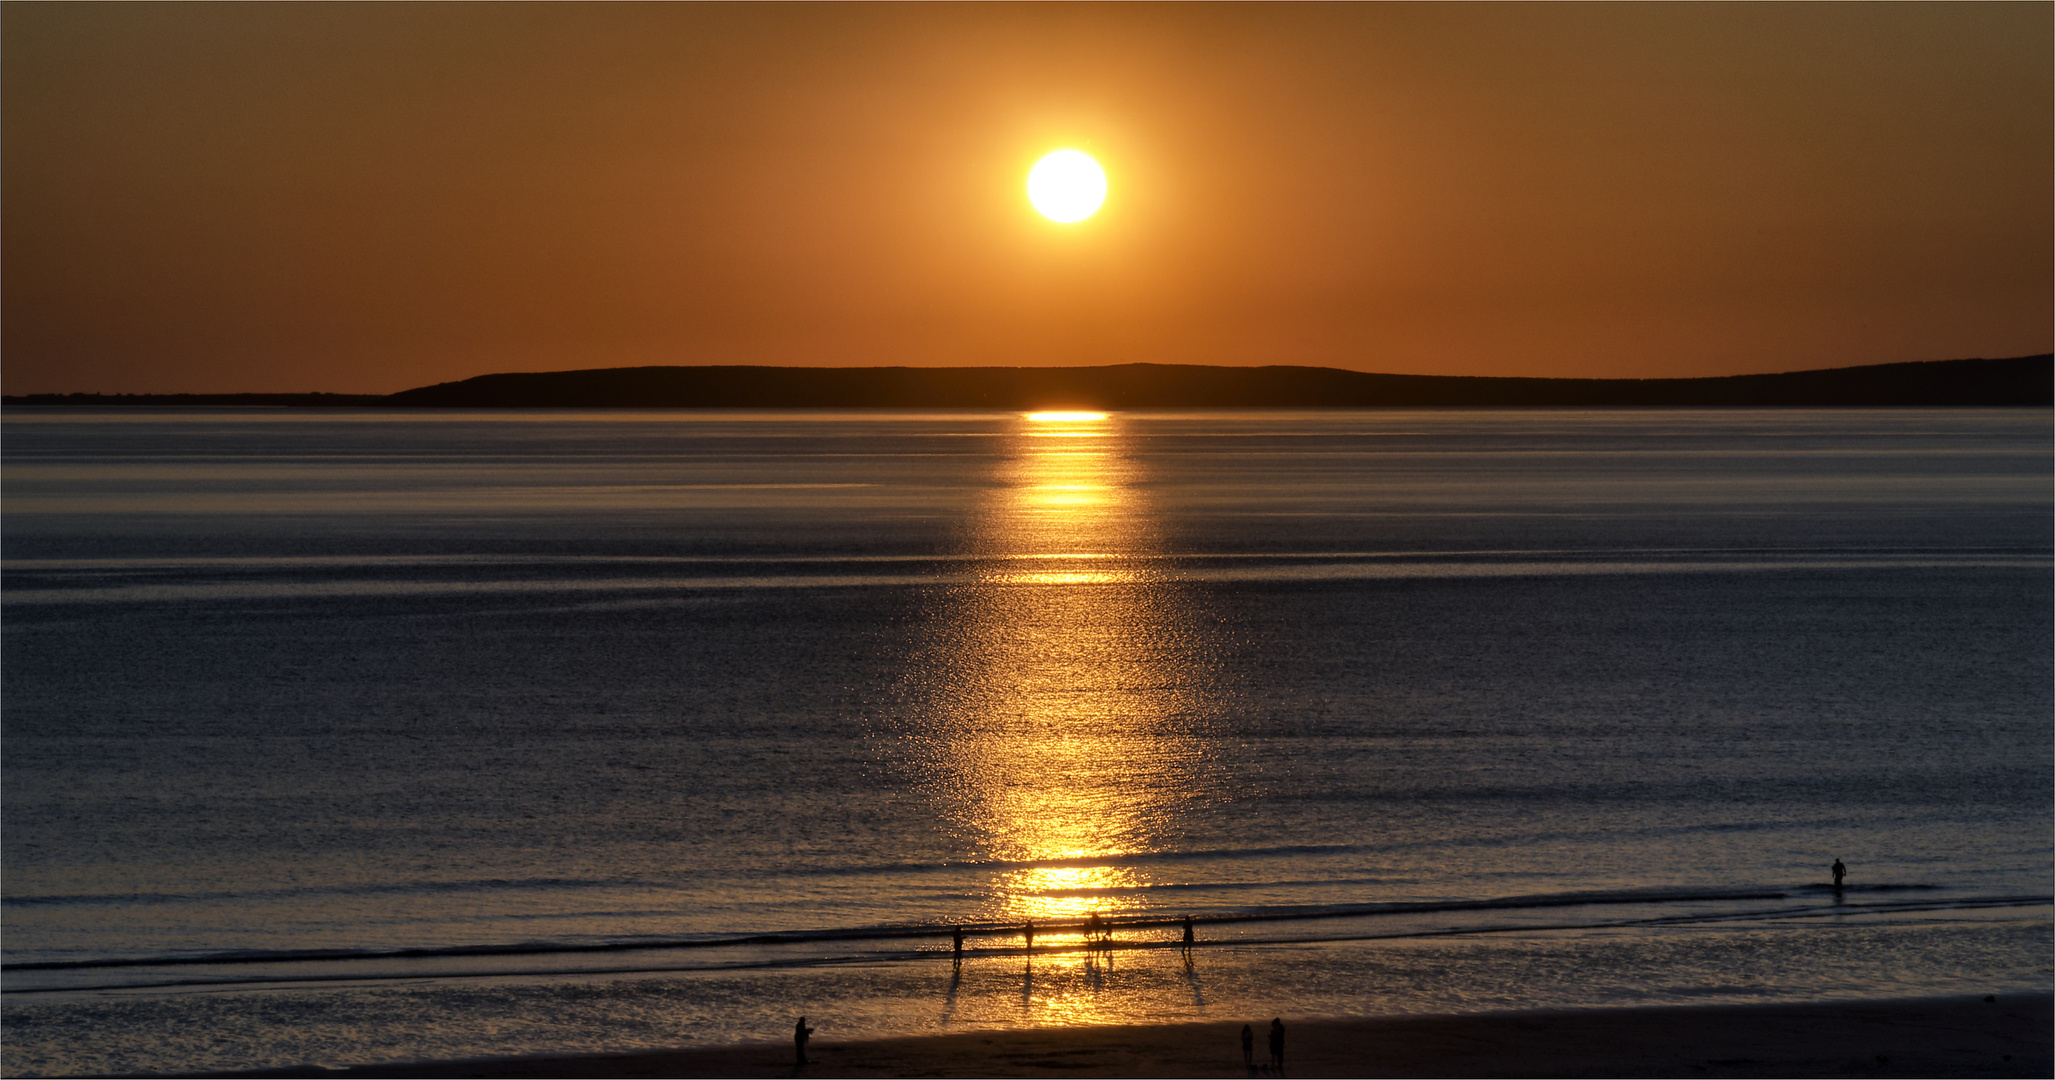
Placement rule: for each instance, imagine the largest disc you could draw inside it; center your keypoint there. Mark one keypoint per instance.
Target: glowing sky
(361, 198)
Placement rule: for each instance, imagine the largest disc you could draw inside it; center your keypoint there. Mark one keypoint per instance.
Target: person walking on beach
(1839, 873)
(1249, 1047)
(959, 946)
(800, 1033)
(1189, 937)
(1028, 932)
(1277, 1044)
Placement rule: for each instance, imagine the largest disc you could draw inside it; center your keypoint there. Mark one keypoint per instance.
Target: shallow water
(532, 726)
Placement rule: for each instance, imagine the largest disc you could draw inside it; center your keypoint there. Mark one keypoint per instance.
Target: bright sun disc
(1065, 417)
(1067, 186)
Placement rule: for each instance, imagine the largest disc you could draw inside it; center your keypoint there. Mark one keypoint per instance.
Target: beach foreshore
(2008, 1035)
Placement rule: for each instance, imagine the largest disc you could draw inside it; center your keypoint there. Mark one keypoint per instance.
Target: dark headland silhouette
(2026, 381)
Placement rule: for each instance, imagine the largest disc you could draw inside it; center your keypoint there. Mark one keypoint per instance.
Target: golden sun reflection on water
(1062, 732)
(1072, 577)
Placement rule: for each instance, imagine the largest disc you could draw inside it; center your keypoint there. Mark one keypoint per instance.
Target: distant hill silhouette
(2027, 381)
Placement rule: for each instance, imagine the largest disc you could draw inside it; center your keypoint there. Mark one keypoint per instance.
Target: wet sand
(2013, 1035)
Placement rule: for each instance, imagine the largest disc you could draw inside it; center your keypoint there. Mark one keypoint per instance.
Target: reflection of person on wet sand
(1277, 1044)
(1839, 873)
(1249, 1047)
(800, 1033)
(949, 996)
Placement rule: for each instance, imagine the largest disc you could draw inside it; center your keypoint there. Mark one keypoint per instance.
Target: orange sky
(362, 198)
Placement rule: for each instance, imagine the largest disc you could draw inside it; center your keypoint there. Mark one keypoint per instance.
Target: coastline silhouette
(2025, 382)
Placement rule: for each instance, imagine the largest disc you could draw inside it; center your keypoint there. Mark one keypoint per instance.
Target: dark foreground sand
(1969, 1036)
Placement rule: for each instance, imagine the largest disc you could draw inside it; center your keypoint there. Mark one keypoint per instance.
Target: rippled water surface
(353, 736)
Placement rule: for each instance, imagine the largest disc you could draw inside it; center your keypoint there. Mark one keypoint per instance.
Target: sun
(1067, 186)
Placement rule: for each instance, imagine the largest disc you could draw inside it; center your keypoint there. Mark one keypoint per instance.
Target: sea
(346, 736)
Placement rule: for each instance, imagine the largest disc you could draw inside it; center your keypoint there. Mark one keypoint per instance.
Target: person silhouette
(1839, 873)
(1189, 937)
(1277, 1044)
(800, 1033)
(959, 946)
(1028, 932)
(1249, 1047)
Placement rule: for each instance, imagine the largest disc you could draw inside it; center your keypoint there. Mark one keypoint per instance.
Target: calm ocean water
(371, 736)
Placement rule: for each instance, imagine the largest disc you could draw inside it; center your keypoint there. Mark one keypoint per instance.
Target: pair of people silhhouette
(1276, 1045)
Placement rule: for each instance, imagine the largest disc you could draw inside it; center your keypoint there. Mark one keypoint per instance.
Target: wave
(767, 558)
(784, 573)
(380, 889)
(987, 928)
(490, 885)
(509, 884)
(254, 979)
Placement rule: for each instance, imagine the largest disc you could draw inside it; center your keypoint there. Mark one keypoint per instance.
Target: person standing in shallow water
(959, 946)
(1277, 1044)
(1189, 937)
(1249, 1047)
(800, 1033)
(1028, 933)
(1839, 873)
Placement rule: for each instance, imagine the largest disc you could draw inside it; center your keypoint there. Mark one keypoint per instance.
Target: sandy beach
(2011, 1035)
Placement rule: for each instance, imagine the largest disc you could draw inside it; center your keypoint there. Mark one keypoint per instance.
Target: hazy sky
(361, 198)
